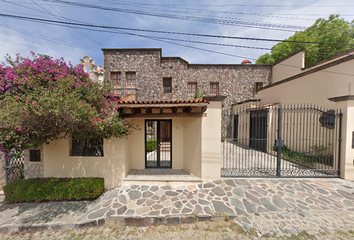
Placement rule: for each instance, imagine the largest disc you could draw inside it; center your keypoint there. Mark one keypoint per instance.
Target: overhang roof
(164, 103)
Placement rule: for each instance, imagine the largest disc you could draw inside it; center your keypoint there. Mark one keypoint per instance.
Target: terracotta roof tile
(198, 100)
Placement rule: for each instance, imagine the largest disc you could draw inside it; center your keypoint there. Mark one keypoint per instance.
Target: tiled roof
(189, 101)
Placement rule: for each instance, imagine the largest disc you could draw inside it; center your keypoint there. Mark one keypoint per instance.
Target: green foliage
(151, 145)
(198, 94)
(42, 99)
(316, 156)
(333, 30)
(51, 189)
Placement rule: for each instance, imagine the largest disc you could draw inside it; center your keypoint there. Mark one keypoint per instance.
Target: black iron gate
(158, 143)
(283, 141)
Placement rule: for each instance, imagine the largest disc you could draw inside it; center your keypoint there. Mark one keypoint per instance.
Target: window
(91, 147)
(214, 89)
(116, 82)
(257, 86)
(167, 85)
(131, 80)
(191, 90)
(35, 155)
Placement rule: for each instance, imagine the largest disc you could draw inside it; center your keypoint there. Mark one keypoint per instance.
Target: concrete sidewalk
(269, 206)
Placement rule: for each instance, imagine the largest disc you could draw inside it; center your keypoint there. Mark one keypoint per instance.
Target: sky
(73, 29)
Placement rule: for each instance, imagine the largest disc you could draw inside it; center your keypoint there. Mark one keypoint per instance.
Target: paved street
(260, 206)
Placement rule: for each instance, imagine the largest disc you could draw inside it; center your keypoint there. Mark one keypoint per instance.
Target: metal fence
(283, 141)
(14, 168)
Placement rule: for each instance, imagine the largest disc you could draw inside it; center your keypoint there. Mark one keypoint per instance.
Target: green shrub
(151, 145)
(49, 189)
(307, 158)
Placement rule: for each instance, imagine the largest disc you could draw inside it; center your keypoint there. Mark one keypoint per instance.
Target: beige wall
(313, 88)
(192, 137)
(288, 67)
(196, 148)
(347, 152)
(211, 142)
(112, 167)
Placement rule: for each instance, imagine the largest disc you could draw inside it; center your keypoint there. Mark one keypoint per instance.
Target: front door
(158, 143)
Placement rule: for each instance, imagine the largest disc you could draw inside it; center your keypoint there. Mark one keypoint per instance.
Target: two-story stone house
(145, 75)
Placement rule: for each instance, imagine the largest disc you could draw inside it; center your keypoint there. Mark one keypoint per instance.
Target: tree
(44, 99)
(334, 30)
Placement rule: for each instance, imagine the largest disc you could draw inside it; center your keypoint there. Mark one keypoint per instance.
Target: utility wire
(46, 37)
(48, 21)
(239, 22)
(78, 31)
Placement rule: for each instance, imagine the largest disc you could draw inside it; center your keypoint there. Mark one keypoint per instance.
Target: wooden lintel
(187, 109)
(148, 110)
(165, 115)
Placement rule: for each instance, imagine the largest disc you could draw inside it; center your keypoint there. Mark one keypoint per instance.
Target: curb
(121, 222)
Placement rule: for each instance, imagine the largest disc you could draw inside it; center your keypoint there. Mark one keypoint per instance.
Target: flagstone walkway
(280, 206)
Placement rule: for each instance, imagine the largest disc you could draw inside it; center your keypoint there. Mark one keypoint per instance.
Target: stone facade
(33, 169)
(236, 81)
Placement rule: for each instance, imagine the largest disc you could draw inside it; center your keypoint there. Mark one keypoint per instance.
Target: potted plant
(223, 137)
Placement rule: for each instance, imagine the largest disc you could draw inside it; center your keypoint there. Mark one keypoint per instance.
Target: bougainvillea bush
(42, 99)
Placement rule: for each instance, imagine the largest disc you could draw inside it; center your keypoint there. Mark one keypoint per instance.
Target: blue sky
(258, 19)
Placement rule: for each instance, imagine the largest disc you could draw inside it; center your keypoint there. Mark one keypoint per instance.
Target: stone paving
(268, 206)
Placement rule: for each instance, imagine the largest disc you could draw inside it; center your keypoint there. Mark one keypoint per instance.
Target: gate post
(280, 118)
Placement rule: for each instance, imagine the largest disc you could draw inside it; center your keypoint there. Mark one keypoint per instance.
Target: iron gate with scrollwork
(274, 140)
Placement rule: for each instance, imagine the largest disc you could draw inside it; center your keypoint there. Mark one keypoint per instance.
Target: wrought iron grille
(127, 94)
(283, 141)
(14, 168)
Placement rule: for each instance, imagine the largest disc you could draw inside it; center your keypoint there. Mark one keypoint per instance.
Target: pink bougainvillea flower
(19, 128)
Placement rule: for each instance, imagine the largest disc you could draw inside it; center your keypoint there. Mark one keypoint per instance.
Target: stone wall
(33, 169)
(236, 81)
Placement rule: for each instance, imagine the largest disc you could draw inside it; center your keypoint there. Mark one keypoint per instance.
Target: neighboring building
(317, 105)
(145, 75)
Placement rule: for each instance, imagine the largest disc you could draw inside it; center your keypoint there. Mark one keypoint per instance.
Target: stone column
(211, 139)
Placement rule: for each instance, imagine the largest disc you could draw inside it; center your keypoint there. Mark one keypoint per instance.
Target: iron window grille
(167, 85)
(35, 155)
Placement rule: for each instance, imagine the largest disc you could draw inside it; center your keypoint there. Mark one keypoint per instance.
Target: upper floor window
(131, 81)
(214, 89)
(91, 147)
(191, 90)
(257, 86)
(167, 85)
(116, 82)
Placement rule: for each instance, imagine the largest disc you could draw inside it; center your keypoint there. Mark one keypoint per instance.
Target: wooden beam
(204, 109)
(174, 109)
(187, 109)
(164, 115)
